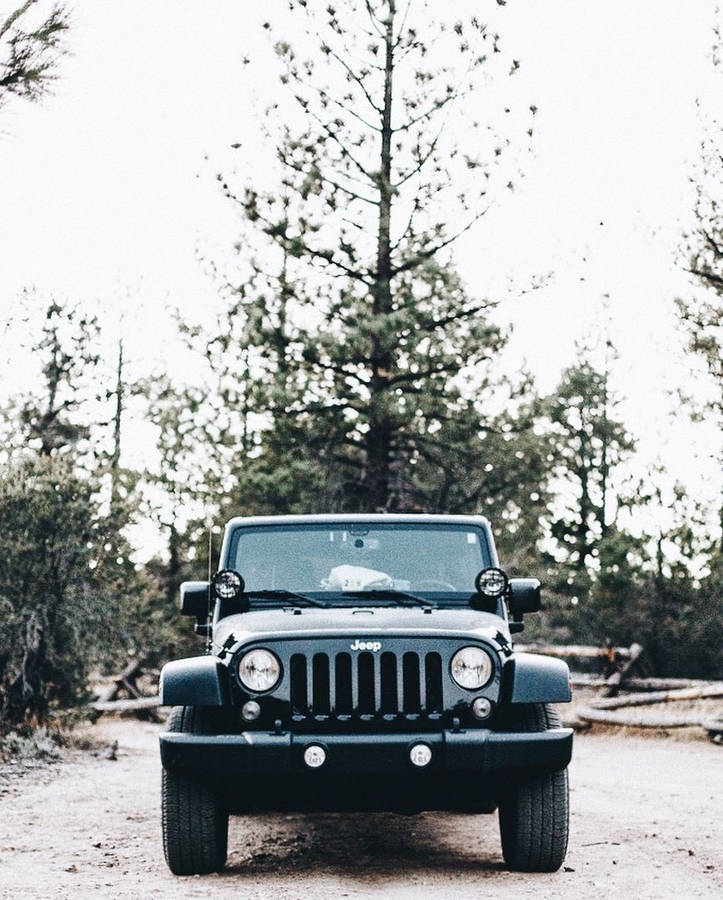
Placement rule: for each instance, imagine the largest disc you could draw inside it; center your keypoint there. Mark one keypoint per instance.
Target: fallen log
(695, 693)
(134, 705)
(663, 684)
(610, 710)
(605, 717)
(588, 679)
(130, 686)
(126, 679)
(615, 680)
(578, 651)
(714, 727)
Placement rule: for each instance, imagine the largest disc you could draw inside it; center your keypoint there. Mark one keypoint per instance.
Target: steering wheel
(433, 584)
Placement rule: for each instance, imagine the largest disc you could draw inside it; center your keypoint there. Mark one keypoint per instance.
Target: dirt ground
(646, 817)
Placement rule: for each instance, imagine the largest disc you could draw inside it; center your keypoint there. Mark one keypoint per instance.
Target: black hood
(309, 622)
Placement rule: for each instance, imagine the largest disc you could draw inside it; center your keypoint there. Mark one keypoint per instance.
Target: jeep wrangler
(363, 663)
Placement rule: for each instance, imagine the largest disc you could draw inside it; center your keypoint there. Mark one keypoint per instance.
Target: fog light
(420, 755)
(227, 584)
(314, 756)
(492, 582)
(481, 707)
(250, 711)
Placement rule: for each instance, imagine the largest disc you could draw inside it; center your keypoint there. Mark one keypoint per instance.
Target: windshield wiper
(403, 598)
(283, 594)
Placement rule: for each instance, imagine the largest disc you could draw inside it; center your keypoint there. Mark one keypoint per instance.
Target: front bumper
(477, 750)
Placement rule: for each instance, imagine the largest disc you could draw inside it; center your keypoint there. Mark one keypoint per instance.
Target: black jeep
(360, 663)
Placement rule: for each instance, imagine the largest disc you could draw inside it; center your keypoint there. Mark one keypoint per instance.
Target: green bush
(57, 608)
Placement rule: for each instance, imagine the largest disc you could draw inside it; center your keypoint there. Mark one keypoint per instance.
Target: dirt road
(645, 824)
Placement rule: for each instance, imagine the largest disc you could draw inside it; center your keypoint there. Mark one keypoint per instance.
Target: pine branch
(297, 167)
(449, 368)
(326, 128)
(357, 80)
(706, 275)
(424, 255)
(423, 160)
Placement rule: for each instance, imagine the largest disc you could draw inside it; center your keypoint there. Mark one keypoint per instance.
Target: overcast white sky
(107, 190)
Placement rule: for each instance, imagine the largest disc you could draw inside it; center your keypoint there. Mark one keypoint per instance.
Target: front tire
(194, 819)
(534, 811)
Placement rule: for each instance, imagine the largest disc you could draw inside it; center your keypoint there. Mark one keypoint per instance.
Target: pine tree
(700, 314)
(589, 442)
(30, 48)
(364, 361)
(52, 416)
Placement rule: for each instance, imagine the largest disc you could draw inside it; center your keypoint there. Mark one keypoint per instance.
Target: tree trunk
(117, 422)
(378, 443)
(173, 579)
(583, 546)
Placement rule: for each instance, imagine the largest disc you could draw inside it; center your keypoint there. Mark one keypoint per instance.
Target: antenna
(210, 571)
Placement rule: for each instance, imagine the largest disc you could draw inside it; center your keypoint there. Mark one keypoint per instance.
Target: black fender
(529, 678)
(196, 681)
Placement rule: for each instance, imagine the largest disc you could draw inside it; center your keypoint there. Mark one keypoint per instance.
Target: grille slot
(433, 682)
(299, 697)
(344, 704)
(366, 684)
(388, 683)
(410, 677)
(365, 664)
(321, 701)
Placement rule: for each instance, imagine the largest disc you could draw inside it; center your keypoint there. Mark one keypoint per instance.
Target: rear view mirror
(194, 599)
(524, 596)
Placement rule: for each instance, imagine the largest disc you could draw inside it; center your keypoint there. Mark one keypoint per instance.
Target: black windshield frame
(358, 526)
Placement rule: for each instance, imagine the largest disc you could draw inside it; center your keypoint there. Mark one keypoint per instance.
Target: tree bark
(125, 678)
(379, 437)
(616, 679)
(120, 706)
(579, 651)
(173, 578)
(117, 423)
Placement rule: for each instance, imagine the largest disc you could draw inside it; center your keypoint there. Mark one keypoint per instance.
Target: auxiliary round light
(491, 582)
(250, 711)
(471, 668)
(481, 708)
(227, 584)
(420, 755)
(259, 670)
(314, 756)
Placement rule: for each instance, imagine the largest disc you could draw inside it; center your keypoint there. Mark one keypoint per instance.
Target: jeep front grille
(368, 685)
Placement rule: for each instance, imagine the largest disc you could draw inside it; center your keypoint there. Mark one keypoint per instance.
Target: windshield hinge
(504, 643)
(227, 646)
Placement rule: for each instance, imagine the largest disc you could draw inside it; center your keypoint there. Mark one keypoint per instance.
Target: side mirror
(194, 599)
(524, 596)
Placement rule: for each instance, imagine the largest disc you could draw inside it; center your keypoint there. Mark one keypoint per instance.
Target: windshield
(353, 557)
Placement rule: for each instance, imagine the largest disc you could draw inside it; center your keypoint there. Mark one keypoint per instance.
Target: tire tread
(194, 821)
(534, 813)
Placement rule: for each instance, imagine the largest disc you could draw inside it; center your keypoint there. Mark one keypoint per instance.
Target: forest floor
(645, 823)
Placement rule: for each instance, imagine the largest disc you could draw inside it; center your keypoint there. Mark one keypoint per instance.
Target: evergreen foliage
(588, 443)
(30, 47)
(56, 571)
(67, 347)
(361, 348)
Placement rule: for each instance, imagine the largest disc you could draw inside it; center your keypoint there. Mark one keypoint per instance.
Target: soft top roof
(375, 518)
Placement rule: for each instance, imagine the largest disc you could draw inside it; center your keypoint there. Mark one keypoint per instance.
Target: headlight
(491, 582)
(227, 584)
(259, 670)
(471, 668)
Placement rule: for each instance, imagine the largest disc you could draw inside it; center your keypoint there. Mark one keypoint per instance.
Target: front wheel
(194, 819)
(534, 811)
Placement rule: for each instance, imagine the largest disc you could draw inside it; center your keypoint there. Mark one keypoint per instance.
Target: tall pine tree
(354, 369)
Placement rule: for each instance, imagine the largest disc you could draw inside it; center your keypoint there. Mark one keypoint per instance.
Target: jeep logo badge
(366, 645)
